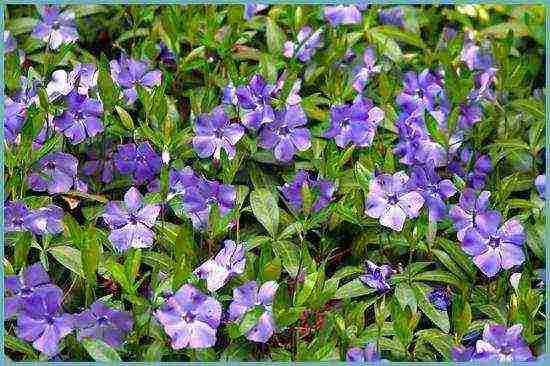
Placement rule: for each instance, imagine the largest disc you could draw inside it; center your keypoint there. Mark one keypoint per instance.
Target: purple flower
(190, 318)
(376, 276)
(82, 119)
(503, 344)
(322, 189)
(393, 16)
(230, 94)
(54, 173)
(342, 14)
(462, 354)
(166, 55)
(128, 73)
(100, 165)
(56, 28)
(14, 216)
(470, 114)
(14, 118)
(103, 323)
(197, 201)
(368, 354)
(141, 161)
(250, 9)
(362, 72)
(433, 189)
(439, 298)
(469, 206)
(10, 44)
(247, 297)
(356, 123)
(229, 262)
(214, 132)
(42, 322)
(392, 201)
(478, 177)
(84, 77)
(131, 221)
(45, 220)
(540, 182)
(254, 101)
(27, 94)
(308, 42)
(494, 247)
(180, 181)
(31, 280)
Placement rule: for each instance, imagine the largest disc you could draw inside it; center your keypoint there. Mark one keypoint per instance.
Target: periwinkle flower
(56, 27)
(462, 354)
(45, 220)
(367, 354)
(229, 262)
(216, 132)
(180, 180)
(391, 200)
(100, 163)
(415, 146)
(190, 318)
(32, 279)
(503, 344)
(42, 322)
(355, 123)
(230, 94)
(321, 189)
(166, 55)
(248, 297)
(82, 119)
(54, 173)
(128, 73)
(10, 44)
(439, 298)
(494, 247)
(376, 276)
(254, 101)
(434, 190)
(251, 9)
(27, 94)
(103, 323)
(308, 42)
(131, 221)
(14, 118)
(139, 160)
(469, 206)
(363, 72)
(478, 176)
(540, 182)
(393, 16)
(342, 14)
(14, 216)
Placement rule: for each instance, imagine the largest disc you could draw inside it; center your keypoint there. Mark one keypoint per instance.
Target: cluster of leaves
(322, 308)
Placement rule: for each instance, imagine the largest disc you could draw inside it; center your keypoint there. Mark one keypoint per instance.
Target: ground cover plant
(274, 182)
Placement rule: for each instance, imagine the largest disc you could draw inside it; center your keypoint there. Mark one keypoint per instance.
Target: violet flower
(433, 189)
(166, 55)
(503, 344)
(308, 42)
(104, 165)
(478, 176)
(251, 9)
(470, 114)
(128, 73)
(321, 189)
(141, 161)
(367, 354)
(190, 318)
(42, 322)
(342, 14)
(392, 201)
(103, 323)
(54, 173)
(45, 220)
(14, 118)
(82, 119)
(540, 182)
(377, 276)
(214, 133)
(354, 124)
(254, 102)
(229, 262)
(10, 44)
(462, 354)
(439, 298)
(32, 279)
(362, 72)
(14, 216)
(55, 28)
(131, 221)
(494, 247)
(468, 208)
(247, 297)
(393, 16)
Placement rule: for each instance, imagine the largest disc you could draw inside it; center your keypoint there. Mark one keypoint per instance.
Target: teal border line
(545, 3)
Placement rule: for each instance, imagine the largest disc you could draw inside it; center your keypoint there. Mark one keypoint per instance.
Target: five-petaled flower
(229, 262)
(56, 27)
(82, 119)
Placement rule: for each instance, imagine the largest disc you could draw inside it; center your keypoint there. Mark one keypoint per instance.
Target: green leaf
(400, 35)
(21, 25)
(69, 257)
(438, 276)
(289, 254)
(461, 315)
(250, 319)
(125, 118)
(307, 288)
(18, 345)
(265, 208)
(274, 37)
(438, 317)
(440, 341)
(100, 351)
(405, 296)
(287, 316)
(354, 288)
